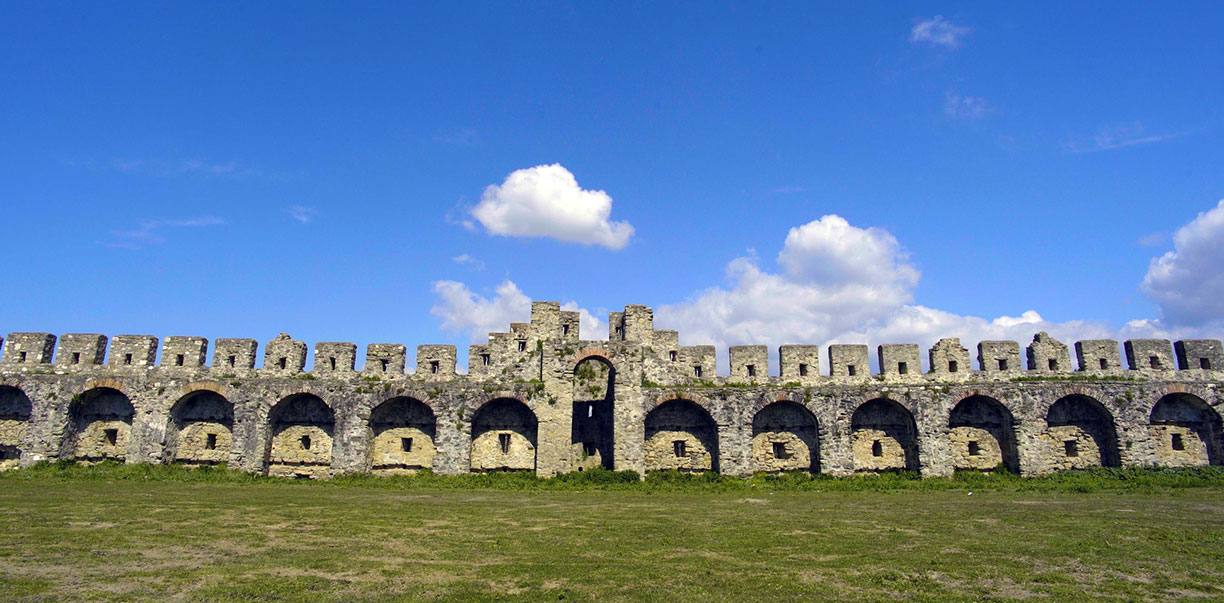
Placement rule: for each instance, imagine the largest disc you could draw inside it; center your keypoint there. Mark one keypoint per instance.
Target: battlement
(539, 397)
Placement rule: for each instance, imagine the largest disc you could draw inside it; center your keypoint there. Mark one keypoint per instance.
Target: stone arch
(681, 435)
(300, 428)
(15, 409)
(401, 436)
(1186, 432)
(504, 436)
(200, 430)
(982, 435)
(883, 437)
(591, 422)
(99, 425)
(1081, 433)
(785, 438)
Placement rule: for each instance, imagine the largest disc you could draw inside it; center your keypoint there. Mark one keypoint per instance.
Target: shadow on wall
(785, 438)
(504, 437)
(883, 437)
(301, 428)
(1186, 432)
(681, 435)
(401, 436)
(1081, 434)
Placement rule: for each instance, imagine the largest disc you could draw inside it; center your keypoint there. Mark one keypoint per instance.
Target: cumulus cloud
(938, 31)
(465, 312)
(546, 201)
(1188, 282)
(958, 106)
(838, 283)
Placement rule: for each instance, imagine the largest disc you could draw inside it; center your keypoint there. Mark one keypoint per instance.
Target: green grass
(121, 532)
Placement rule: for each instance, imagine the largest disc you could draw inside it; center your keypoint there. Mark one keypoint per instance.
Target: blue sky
(239, 170)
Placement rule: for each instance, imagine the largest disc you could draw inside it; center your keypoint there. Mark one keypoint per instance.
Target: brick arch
(105, 383)
(600, 353)
(212, 386)
(368, 403)
(705, 403)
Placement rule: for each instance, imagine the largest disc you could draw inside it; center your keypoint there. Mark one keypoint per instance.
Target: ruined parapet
(949, 358)
(1098, 355)
(666, 345)
(749, 363)
(480, 360)
(385, 359)
(1204, 354)
(133, 350)
(231, 353)
(799, 363)
(331, 357)
(435, 361)
(635, 324)
(899, 359)
(1149, 354)
(546, 320)
(1048, 355)
(849, 360)
(519, 341)
(999, 356)
(29, 348)
(80, 349)
(570, 322)
(284, 354)
(184, 352)
(698, 361)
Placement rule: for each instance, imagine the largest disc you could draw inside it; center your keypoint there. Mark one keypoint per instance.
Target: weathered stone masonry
(540, 398)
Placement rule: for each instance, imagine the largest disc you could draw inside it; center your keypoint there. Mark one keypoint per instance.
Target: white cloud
(302, 214)
(149, 232)
(1188, 282)
(1117, 137)
(463, 311)
(546, 201)
(938, 31)
(467, 260)
(957, 106)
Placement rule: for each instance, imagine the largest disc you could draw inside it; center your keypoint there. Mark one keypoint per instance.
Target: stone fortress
(539, 398)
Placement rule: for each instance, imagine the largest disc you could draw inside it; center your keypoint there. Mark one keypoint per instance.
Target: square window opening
(851, 370)
(112, 436)
(1154, 362)
(22, 357)
(484, 360)
(282, 363)
(877, 449)
(305, 442)
(779, 450)
(233, 361)
(1205, 363)
(679, 448)
(671, 355)
(952, 366)
(697, 372)
(76, 357)
(1071, 448)
(210, 442)
(178, 360)
(1104, 364)
(127, 358)
(1002, 364)
(503, 440)
(975, 449)
(406, 444)
(751, 370)
(433, 366)
(802, 370)
(1053, 364)
(1178, 443)
(902, 368)
(384, 363)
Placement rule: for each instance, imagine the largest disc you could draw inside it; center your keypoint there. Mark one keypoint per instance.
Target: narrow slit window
(503, 440)
(619, 331)
(697, 372)
(127, 358)
(851, 370)
(112, 436)
(952, 366)
(406, 444)
(779, 450)
(1205, 363)
(679, 448)
(802, 370)
(332, 360)
(522, 346)
(1053, 364)
(590, 411)
(178, 360)
(76, 357)
(1071, 448)
(877, 449)
(671, 355)
(484, 360)
(282, 363)
(1104, 364)
(751, 370)
(22, 357)
(565, 329)
(1002, 364)
(305, 441)
(1153, 362)
(384, 363)
(902, 368)
(433, 367)
(210, 442)
(975, 449)
(1178, 443)
(233, 361)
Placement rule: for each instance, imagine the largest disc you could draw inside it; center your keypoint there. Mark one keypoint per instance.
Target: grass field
(125, 532)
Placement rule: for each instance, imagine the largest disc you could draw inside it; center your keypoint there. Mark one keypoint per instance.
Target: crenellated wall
(539, 397)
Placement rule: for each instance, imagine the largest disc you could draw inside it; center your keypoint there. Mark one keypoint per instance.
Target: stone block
(849, 360)
(334, 357)
(285, 354)
(546, 319)
(749, 363)
(29, 348)
(799, 362)
(480, 360)
(234, 354)
(184, 352)
(570, 324)
(133, 350)
(80, 349)
(1098, 355)
(949, 357)
(999, 356)
(385, 359)
(435, 361)
(1199, 354)
(698, 360)
(1149, 354)
(899, 359)
(1048, 355)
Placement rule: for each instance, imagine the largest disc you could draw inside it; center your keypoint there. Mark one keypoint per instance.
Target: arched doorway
(681, 435)
(591, 424)
(883, 437)
(1186, 432)
(982, 435)
(784, 438)
(15, 410)
(201, 429)
(301, 428)
(401, 436)
(504, 437)
(99, 425)
(1081, 433)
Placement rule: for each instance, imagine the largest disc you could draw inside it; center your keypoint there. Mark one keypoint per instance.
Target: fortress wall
(635, 406)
